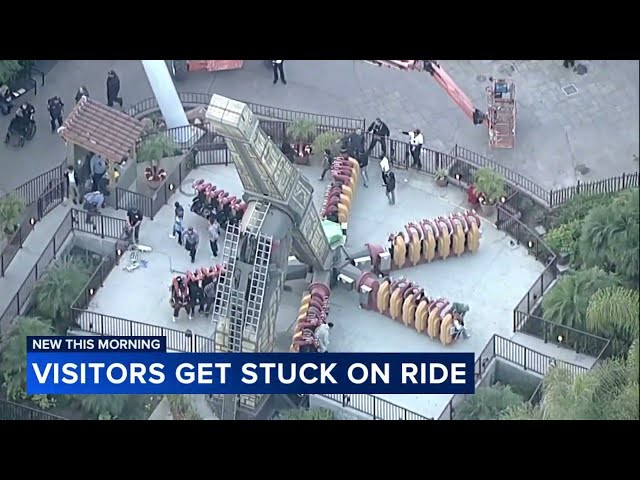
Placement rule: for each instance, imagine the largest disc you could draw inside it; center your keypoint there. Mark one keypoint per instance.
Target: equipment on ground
(179, 68)
(500, 116)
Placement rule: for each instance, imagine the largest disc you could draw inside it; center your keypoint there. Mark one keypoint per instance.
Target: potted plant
(442, 177)
(302, 133)
(490, 186)
(327, 140)
(11, 209)
(152, 150)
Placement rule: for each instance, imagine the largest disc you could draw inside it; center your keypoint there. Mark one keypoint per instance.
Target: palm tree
(302, 132)
(613, 313)
(11, 209)
(609, 237)
(568, 300)
(13, 353)
(327, 140)
(102, 406)
(152, 150)
(488, 403)
(608, 392)
(309, 414)
(59, 288)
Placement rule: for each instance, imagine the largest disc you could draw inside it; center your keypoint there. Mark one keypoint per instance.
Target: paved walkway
(560, 139)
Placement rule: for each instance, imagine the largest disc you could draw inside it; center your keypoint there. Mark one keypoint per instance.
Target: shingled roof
(102, 130)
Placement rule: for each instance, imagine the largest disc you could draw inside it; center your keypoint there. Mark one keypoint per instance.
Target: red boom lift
(500, 116)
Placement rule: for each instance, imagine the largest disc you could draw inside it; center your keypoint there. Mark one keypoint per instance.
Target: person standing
(98, 167)
(415, 141)
(82, 92)
(363, 161)
(327, 162)
(134, 219)
(278, 71)
(72, 184)
(113, 89)
(352, 143)
(209, 296)
(322, 335)
(391, 187)
(214, 235)
(178, 222)
(191, 240)
(384, 168)
(380, 133)
(56, 109)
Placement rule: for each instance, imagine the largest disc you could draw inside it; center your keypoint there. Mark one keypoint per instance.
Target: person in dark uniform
(134, 218)
(380, 133)
(278, 71)
(568, 63)
(56, 109)
(113, 89)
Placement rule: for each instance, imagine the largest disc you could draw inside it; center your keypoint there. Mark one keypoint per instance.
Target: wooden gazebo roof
(101, 129)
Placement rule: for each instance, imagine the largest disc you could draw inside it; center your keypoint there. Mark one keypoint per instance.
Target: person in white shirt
(278, 68)
(384, 168)
(415, 141)
(322, 335)
(72, 185)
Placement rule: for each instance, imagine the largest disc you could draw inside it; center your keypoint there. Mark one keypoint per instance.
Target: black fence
(375, 407)
(20, 300)
(150, 105)
(15, 411)
(510, 351)
(177, 340)
(75, 220)
(40, 195)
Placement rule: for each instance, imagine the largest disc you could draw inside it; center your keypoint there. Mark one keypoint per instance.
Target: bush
(488, 403)
(576, 209)
(490, 183)
(11, 209)
(8, 70)
(13, 354)
(182, 408)
(327, 140)
(563, 239)
(59, 288)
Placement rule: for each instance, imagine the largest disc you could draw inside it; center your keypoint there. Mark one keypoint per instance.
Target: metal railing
(377, 408)
(510, 351)
(190, 99)
(106, 227)
(560, 335)
(20, 299)
(35, 210)
(15, 411)
(597, 187)
(177, 340)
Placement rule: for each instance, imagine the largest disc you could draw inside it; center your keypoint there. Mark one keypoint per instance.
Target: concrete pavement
(560, 140)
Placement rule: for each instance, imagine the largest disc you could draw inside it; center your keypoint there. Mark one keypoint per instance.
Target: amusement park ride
(280, 220)
(500, 116)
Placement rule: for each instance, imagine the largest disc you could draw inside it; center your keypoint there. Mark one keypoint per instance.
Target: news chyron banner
(142, 365)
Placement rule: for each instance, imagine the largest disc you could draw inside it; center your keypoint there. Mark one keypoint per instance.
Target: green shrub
(563, 239)
(488, 403)
(576, 209)
(58, 289)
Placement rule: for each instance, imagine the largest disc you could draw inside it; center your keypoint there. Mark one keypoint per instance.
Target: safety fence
(15, 411)
(75, 220)
(190, 99)
(508, 350)
(375, 407)
(39, 196)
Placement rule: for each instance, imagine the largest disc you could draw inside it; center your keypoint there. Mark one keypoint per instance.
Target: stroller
(23, 129)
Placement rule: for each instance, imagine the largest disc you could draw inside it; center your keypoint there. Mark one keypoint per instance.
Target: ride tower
(280, 218)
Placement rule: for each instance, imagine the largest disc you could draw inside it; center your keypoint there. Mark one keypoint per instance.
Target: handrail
(15, 411)
(376, 407)
(513, 352)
